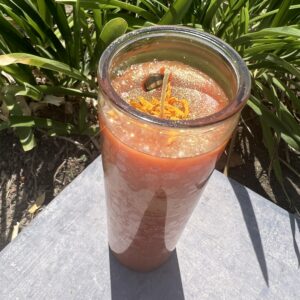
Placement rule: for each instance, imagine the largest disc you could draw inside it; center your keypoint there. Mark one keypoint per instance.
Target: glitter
(205, 96)
(124, 95)
(181, 153)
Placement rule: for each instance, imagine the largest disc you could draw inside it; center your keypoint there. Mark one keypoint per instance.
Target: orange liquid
(150, 198)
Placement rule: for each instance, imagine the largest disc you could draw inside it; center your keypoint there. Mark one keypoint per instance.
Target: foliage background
(50, 49)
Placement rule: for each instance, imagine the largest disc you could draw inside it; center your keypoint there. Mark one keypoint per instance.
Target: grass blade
(269, 142)
(20, 73)
(94, 4)
(44, 12)
(13, 38)
(277, 32)
(46, 33)
(97, 15)
(211, 13)
(76, 34)
(290, 137)
(279, 62)
(176, 12)
(280, 17)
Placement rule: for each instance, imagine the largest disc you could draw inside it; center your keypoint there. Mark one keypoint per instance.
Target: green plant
(49, 56)
(40, 39)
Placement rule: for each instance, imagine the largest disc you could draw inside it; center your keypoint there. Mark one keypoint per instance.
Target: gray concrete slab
(237, 245)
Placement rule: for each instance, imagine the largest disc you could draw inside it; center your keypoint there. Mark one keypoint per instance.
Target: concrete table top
(237, 245)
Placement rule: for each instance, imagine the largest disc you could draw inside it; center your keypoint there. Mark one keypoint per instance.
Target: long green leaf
(13, 37)
(25, 135)
(151, 7)
(97, 14)
(20, 73)
(43, 9)
(283, 64)
(19, 21)
(271, 146)
(31, 15)
(45, 123)
(273, 12)
(176, 12)
(51, 90)
(255, 49)
(30, 91)
(32, 60)
(26, 138)
(86, 35)
(275, 123)
(231, 13)
(286, 31)
(42, 28)
(60, 19)
(92, 4)
(77, 35)
(288, 92)
(211, 13)
(281, 15)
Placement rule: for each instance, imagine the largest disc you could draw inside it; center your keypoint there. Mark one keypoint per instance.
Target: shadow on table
(252, 226)
(295, 220)
(163, 283)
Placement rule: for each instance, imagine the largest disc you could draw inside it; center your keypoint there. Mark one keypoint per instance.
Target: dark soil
(43, 171)
(26, 177)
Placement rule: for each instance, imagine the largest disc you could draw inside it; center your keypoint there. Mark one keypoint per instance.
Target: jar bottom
(139, 263)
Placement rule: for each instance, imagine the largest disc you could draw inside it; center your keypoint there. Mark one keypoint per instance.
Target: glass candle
(155, 169)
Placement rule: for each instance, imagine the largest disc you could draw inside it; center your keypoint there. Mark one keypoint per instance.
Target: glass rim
(231, 57)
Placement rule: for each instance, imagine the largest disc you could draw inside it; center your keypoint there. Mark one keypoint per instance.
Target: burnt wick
(154, 81)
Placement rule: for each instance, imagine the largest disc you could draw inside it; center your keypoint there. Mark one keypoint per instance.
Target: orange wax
(152, 183)
(149, 200)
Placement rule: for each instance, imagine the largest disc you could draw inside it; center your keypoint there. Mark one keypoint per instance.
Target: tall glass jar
(156, 169)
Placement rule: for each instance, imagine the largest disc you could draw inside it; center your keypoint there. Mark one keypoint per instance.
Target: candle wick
(164, 92)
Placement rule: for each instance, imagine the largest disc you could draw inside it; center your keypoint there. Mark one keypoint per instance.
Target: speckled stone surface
(237, 245)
